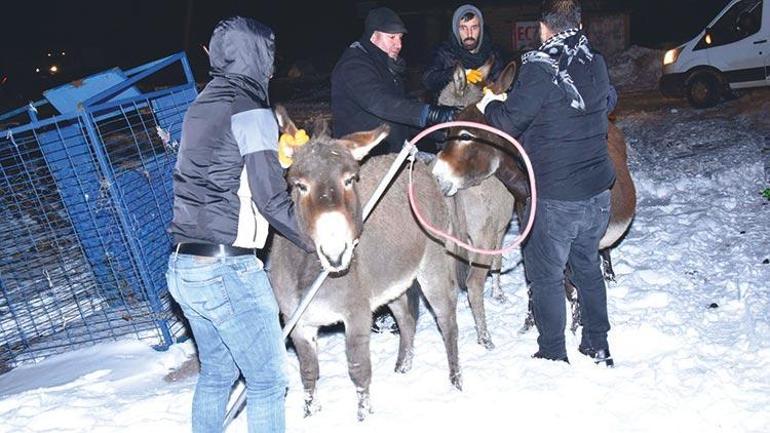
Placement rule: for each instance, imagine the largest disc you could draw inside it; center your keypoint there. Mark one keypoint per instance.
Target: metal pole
(240, 400)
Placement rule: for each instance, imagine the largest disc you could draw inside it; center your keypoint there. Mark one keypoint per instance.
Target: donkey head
(322, 178)
(471, 155)
(459, 92)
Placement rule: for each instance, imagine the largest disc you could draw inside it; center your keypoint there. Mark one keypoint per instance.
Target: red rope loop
(438, 232)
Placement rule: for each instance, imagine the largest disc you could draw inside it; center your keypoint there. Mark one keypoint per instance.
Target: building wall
(609, 32)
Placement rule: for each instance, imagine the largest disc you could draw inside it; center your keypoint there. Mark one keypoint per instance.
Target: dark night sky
(112, 33)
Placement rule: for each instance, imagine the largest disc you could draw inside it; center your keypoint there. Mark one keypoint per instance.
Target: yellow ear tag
(286, 145)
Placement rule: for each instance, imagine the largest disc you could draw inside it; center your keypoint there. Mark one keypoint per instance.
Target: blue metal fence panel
(85, 200)
(69, 97)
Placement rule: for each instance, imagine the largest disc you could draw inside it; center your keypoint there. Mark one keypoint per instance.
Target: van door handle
(760, 42)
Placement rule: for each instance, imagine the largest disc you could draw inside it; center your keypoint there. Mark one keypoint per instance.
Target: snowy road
(690, 313)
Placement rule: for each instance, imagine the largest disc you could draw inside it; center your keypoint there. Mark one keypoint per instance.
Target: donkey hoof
(311, 408)
(364, 406)
(311, 405)
(404, 366)
(500, 298)
(486, 341)
(457, 381)
(364, 411)
(525, 328)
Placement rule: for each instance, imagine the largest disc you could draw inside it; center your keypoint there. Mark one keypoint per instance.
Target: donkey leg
(357, 332)
(440, 291)
(529, 321)
(304, 340)
(475, 284)
(609, 273)
(574, 304)
(497, 290)
(404, 309)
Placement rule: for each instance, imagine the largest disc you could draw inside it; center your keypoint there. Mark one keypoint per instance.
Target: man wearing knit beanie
(368, 86)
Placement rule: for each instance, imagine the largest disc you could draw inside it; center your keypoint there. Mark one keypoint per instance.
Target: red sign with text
(526, 35)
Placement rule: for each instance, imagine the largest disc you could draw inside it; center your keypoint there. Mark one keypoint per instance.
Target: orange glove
(473, 76)
(286, 145)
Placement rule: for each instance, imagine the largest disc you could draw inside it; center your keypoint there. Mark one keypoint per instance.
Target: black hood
(242, 50)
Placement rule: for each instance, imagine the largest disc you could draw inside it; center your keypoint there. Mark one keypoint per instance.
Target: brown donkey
(470, 156)
(329, 188)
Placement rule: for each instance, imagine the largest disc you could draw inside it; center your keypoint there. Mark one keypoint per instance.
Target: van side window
(742, 20)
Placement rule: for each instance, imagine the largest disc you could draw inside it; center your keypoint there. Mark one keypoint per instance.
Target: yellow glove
(286, 145)
(473, 76)
(488, 97)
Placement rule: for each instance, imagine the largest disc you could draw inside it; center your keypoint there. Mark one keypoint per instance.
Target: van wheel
(703, 90)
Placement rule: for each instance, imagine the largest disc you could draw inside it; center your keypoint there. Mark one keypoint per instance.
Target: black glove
(439, 114)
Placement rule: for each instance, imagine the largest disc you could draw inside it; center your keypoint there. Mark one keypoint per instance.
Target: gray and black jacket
(228, 184)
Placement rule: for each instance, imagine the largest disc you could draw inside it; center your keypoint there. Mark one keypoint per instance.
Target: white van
(732, 52)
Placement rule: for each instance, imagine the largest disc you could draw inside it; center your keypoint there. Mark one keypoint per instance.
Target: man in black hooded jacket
(468, 46)
(228, 188)
(368, 86)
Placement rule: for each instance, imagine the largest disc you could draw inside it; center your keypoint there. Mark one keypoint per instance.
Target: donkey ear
(486, 67)
(361, 143)
(505, 79)
(459, 80)
(284, 121)
(320, 127)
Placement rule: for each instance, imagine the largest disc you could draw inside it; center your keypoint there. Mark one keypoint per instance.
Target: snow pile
(690, 313)
(636, 69)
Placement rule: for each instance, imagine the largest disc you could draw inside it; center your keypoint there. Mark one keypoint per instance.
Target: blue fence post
(115, 195)
(187, 70)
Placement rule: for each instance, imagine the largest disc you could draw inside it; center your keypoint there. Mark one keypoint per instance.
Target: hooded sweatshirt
(447, 54)
(228, 184)
(459, 13)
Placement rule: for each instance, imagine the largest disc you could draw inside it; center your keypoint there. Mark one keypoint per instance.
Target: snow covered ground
(690, 313)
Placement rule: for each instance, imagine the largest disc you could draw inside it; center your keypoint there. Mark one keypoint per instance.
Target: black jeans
(568, 232)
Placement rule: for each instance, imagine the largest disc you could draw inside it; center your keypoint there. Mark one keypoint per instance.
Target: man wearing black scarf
(467, 45)
(558, 109)
(368, 86)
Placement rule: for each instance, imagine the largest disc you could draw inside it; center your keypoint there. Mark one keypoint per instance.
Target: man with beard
(368, 86)
(468, 46)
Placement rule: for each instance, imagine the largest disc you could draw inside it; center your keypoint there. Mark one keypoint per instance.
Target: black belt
(212, 250)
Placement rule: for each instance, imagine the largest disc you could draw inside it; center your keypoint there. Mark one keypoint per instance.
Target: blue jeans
(568, 232)
(234, 319)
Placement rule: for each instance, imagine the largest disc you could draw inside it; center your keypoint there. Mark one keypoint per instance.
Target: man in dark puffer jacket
(558, 109)
(467, 45)
(228, 188)
(368, 86)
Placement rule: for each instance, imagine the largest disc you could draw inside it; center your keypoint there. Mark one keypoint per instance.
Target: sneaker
(598, 355)
(541, 355)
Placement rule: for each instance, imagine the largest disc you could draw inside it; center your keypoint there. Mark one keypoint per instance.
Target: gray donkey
(329, 188)
(486, 207)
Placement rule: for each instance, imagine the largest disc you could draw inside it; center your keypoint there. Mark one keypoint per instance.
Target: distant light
(63, 53)
(37, 69)
(708, 38)
(49, 54)
(53, 69)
